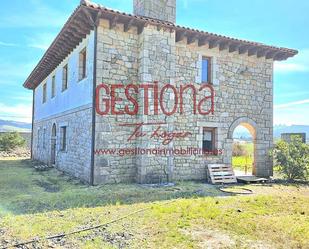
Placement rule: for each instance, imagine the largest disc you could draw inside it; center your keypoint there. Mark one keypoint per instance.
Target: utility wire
(36, 240)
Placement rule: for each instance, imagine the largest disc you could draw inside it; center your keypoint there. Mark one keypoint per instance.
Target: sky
(27, 28)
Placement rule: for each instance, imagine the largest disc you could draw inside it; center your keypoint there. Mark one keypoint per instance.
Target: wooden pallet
(221, 174)
(251, 179)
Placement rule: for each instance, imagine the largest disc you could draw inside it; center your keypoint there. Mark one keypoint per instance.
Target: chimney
(164, 10)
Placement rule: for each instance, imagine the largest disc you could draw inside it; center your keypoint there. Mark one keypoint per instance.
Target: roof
(86, 16)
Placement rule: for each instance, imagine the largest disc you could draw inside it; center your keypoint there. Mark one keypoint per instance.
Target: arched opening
(243, 150)
(243, 137)
(53, 145)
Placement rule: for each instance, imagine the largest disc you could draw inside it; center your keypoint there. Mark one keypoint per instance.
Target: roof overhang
(87, 14)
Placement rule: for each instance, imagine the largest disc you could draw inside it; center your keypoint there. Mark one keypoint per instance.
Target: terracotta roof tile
(79, 25)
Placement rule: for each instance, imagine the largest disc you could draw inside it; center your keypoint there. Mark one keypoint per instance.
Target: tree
(11, 140)
(292, 159)
(239, 150)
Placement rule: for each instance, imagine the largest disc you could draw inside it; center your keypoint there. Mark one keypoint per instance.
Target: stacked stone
(243, 96)
(243, 88)
(159, 9)
(76, 159)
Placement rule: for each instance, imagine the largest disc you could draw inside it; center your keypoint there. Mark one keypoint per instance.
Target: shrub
(239, 150)
(292, 159)
(11, 140)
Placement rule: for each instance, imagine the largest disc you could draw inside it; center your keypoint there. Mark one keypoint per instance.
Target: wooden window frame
(209, 70)
(53, 87)
(44, 138)
(63, 133)
(82, 75)
(38, 138)
(44, 93)
(213, 131)
(65, 79)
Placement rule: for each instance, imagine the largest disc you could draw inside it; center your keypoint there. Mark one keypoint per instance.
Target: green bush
(240, 150)
(292, 159)
(11, 140)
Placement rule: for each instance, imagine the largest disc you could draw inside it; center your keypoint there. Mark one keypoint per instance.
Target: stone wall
(117, 62)
(158, 9)
(244, 96)
(243, 88)
(157, 62)
(76, 159)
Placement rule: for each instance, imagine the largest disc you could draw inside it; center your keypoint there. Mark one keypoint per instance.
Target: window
(209, 139)
(206, 70)
(82, 64)
(39, 139)
(44, 138)
(44, 93)
(53, 87)
(63, 134)
(65, 78)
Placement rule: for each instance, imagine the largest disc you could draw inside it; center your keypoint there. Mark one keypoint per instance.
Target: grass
(24, 190)
(45, 203)
(244, 163)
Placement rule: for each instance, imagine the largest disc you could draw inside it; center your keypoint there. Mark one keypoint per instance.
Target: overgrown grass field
(39, 204)
(244, 163)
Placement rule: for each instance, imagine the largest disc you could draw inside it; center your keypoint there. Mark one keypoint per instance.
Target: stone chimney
(158, 9)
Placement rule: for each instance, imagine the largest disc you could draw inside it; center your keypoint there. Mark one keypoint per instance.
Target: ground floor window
(63, 136)
(39, 138)
(209, 136)
(44, 138)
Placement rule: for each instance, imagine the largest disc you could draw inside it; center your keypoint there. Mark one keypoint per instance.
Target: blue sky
(27, 28)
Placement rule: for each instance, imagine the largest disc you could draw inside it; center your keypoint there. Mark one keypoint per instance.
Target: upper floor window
(53, 87)
(44, 93)
(82, 64)
(65, 78)
(206, 70)
(209, 136)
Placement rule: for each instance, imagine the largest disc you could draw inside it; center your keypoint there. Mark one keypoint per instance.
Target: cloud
(283, 67)
(24, 97)
(293, 115)
(18, 112)
(9, 72)
(291, 104)
(299, 63)
(7, 44)
(297, 94)
(41, 41)
(33, 14)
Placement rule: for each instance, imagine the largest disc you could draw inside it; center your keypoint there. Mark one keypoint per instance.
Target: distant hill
(243, 134)
(7, 125)
(278, 129)
(240, 133)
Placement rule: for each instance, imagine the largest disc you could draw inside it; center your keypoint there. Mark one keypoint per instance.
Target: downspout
(93, 103)
(32, 129)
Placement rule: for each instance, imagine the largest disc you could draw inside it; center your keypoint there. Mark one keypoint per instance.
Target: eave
(87, 15)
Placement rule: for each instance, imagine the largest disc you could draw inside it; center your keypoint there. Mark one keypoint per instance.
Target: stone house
(99, 45)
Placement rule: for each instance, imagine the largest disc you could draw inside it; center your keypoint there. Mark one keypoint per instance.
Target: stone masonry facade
(241, 99)
(160, 9)
(134, 50)
(76, 159)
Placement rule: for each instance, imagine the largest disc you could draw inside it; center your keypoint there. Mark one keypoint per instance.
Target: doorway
(243, 157)
(242, 137)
